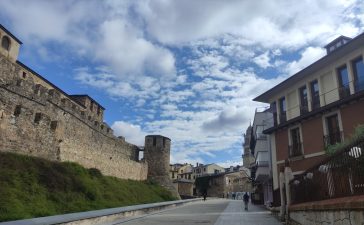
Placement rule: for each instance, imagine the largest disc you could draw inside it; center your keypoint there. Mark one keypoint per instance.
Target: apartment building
(248, 158)
(202, 170)
(224, 183)
(259, 145)
(319, 106)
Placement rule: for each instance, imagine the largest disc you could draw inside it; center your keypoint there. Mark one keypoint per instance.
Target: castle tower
(157, 155)
(9, 44)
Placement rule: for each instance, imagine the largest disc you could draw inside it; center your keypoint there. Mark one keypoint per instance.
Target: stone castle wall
(40, 120)
(157, 153)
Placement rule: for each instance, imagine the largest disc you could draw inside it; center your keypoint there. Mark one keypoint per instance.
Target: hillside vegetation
(34, 187)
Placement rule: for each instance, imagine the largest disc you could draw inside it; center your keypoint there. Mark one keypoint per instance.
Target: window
(92, 106)
(24, 75)
(273, 107)
(303, 100)
(282, 110)
(154, 141)
(17, 111)
(5, 43)
(54, 125)
(295, 149)
(37, 118)
(358, 69)
(172, 175)
(204, 169)
(343, 78)
(333, 131)
(315, 94)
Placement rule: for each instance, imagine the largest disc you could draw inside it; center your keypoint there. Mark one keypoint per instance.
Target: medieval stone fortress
(39, 119)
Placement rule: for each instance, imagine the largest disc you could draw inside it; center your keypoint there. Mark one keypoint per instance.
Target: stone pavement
(210, 212)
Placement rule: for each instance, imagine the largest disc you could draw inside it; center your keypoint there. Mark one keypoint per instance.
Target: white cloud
(281, 23)
(308, 56)
(130, 54)
(262, 60)
(132, 133)
(228, 119)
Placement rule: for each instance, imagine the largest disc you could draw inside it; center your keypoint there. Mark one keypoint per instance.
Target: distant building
(248, 157)
(260, 151)
(201, 170)
(222, 184)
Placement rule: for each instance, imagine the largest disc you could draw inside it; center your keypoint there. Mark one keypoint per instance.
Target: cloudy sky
(184, 69)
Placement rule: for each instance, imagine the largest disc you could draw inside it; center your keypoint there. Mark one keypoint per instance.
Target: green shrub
(358, 133)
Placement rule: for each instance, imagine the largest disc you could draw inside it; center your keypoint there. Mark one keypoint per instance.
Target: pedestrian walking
(246, 200)
(204, 195)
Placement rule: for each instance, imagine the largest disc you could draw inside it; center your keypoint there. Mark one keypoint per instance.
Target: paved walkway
(211, 212)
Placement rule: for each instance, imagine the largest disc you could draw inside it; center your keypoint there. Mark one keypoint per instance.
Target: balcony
(282, 117)
(315, 102)
(344, 91)
(275, 122)
(359, 85)
(295, 149)
(304, 108)
(261, 136)
(333, 138)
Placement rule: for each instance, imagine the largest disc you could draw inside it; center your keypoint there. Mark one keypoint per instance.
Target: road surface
(210, 212)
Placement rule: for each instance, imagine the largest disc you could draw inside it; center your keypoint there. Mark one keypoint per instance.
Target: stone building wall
(40, 120)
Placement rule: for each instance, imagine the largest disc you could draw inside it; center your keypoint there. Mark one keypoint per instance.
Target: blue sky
(184, 69)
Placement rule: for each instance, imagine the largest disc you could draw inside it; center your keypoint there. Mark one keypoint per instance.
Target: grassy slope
(33, 187)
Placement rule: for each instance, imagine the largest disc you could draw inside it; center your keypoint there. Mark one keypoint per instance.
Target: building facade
(223, 184)
(260, 149)
(317, 107)
(202, 170)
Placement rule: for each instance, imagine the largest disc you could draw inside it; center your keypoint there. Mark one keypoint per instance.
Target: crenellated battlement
(38, 118)
(22, 81)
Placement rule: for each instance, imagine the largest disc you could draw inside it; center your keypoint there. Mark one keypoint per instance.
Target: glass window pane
(343, 76)
(282, 102)
(358, 67)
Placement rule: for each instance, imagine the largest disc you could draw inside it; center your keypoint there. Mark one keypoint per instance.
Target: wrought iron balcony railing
(344, 91)
(282, 117)
(295, 149)
(333, 138)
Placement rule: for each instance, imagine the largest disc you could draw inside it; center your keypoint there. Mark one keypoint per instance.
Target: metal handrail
(295, 149)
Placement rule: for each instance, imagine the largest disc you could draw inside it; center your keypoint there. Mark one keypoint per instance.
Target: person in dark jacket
(246, 200)
(204, 195)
